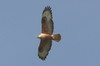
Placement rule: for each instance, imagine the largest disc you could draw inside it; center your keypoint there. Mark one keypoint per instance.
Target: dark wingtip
(48, 8)
(42, 58)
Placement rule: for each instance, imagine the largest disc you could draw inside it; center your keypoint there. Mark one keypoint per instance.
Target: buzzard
(47, 36)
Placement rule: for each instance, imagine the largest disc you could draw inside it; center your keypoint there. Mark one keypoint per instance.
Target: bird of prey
(47, 36)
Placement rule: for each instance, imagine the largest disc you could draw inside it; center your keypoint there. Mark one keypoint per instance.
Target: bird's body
(44, 36)
(47, 34)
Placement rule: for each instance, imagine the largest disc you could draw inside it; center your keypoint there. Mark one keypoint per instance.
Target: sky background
(78, 21)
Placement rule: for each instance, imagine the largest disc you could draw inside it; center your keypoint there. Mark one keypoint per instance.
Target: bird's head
(41, 36)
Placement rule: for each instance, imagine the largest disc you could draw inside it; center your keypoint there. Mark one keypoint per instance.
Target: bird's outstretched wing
(47, 22)
(44, 48)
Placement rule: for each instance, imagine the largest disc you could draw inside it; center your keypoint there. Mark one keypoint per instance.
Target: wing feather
(47, 22)
(44, 48)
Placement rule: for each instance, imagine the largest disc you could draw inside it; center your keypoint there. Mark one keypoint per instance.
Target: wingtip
(42, 58)
(47, 8)
(47, 12)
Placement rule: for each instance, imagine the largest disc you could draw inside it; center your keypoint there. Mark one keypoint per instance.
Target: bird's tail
(56, 37)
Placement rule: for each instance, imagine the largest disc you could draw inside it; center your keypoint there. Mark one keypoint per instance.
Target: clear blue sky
(78, 21)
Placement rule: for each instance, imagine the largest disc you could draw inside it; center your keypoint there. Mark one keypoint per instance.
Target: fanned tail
(56, 37)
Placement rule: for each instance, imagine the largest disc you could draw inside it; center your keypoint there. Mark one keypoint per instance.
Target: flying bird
(47, 36)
